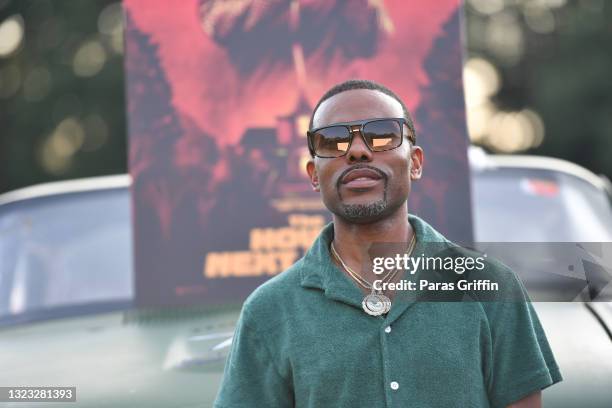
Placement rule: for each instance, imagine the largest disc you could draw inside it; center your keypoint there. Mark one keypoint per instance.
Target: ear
(416, 158)
(312, 173)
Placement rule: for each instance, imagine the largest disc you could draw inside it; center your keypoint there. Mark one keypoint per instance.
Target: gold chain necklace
(376, 303)
(360, 280)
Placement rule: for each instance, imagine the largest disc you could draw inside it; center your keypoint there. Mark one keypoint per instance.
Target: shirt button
(394, 385)
(388, 329)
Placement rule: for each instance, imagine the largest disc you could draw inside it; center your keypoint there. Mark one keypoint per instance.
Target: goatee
(360, 213)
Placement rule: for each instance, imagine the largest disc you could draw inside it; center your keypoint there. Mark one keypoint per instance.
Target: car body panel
(583, 351)
(116, 359)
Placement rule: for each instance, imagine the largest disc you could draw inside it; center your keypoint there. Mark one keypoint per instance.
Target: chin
(364, 213)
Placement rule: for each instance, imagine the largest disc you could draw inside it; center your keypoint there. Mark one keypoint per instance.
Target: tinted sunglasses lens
(383, 135)
(333, 141)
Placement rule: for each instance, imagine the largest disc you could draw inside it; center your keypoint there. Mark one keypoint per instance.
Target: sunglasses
(378, 134)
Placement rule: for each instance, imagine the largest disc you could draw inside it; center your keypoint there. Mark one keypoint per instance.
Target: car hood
(148, 359)
(583, 351)
(176, 359)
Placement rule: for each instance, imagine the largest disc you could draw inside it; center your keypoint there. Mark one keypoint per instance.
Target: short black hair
(363, 84)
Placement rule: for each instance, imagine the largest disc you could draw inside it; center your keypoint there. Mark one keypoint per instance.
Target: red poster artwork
(220, 93)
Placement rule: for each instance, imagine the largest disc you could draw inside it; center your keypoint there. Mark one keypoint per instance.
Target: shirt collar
(318, 271)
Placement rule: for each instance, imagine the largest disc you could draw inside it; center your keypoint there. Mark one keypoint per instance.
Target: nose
(359, 151)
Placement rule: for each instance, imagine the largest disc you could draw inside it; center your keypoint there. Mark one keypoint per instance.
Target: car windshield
(538, 205)
(63, 250)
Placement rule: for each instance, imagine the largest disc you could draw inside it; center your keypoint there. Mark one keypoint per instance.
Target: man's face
(364, 186)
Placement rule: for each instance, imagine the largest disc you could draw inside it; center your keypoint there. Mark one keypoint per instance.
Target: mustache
(382, 174)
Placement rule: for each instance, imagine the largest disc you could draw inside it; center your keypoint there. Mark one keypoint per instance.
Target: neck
(356, 243)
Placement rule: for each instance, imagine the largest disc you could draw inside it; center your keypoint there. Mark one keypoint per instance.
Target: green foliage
(48, 91)
(563, 74)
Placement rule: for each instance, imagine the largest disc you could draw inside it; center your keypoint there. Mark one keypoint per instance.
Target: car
(544, 202)
(67, 314)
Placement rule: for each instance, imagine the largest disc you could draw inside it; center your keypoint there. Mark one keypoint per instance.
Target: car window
(64, 250)
(535, 205)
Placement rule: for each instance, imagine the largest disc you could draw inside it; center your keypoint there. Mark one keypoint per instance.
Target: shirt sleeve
(251, 378)
(521, 360)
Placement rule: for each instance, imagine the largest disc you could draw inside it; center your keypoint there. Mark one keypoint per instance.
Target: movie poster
(220, 94)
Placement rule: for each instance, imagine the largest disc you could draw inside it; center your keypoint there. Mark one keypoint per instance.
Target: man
(310, 337)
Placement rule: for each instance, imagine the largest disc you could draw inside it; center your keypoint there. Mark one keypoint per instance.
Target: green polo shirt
(303, 340)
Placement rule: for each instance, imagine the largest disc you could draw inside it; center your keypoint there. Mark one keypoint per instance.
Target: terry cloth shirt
(303, 340)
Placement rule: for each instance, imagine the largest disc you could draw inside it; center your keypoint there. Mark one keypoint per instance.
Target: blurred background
(536, 79)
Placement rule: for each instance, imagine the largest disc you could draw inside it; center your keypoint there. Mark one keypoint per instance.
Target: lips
(361, 178)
